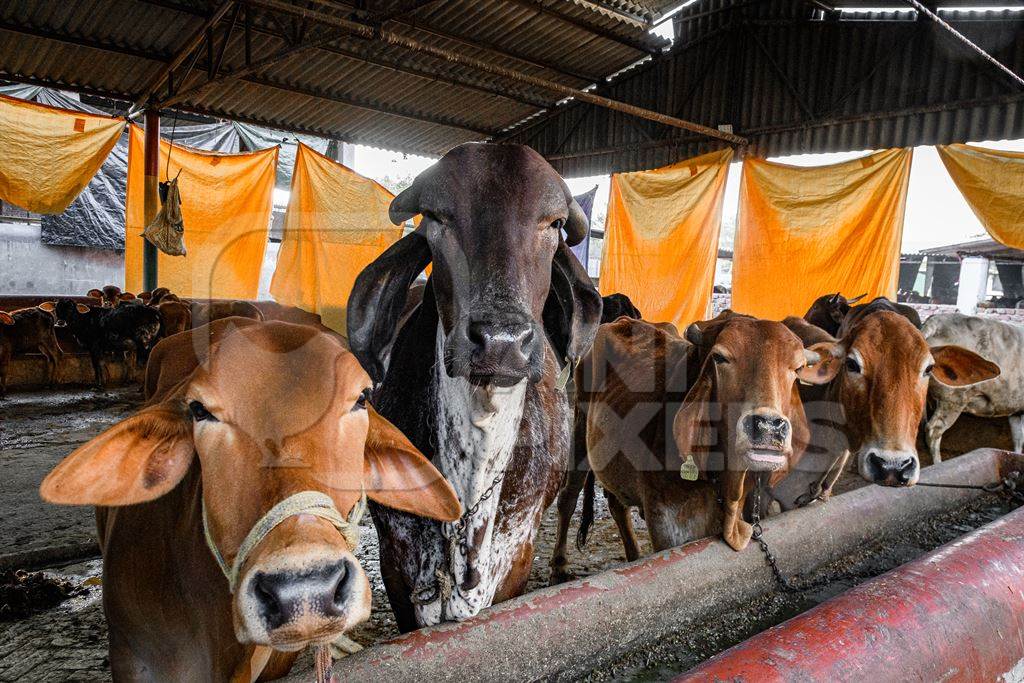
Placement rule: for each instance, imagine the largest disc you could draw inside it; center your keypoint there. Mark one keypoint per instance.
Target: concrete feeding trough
(572, 628)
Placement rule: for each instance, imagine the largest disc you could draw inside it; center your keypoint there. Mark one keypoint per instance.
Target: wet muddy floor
(68, 642)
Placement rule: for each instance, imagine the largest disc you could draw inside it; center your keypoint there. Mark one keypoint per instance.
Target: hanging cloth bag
(167, 231)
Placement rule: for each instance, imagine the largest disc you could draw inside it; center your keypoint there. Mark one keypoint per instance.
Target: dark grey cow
(473, 380)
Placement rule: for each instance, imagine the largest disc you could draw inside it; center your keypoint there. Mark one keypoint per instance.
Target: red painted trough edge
(567, 630)
(956, 613)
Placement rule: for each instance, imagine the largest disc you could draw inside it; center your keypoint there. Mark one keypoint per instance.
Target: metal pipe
(966, 41)
(392, 38)
(151, 196)
(955, 612)
(179, 57)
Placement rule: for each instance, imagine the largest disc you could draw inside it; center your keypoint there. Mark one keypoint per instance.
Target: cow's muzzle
(494, 351)
(889, 467)
(764, 440)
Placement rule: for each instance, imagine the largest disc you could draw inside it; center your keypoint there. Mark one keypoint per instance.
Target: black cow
(129, 330)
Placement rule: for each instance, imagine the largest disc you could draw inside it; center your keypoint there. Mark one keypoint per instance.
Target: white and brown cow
(246, 464)
(472, 378)
(685, 429)
(1001, 396)
(873, 407)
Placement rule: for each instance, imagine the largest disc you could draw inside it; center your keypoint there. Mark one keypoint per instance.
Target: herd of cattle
(118, 324)
(228, 507)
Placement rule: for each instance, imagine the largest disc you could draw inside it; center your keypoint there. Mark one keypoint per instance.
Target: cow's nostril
(265, 590)
(342, 589)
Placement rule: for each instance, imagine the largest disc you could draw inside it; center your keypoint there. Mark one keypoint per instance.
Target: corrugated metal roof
(793, 81)
(351, 88)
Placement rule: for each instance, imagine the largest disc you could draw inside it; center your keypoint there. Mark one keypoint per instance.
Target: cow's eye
(928, 369)
(199, 412)
(360, 403)
(719, 358)
(559, 224)
(852, 366)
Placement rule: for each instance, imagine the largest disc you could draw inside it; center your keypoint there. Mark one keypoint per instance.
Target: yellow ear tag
(688, 470)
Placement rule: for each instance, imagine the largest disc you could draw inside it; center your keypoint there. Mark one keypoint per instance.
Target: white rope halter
(302, 503)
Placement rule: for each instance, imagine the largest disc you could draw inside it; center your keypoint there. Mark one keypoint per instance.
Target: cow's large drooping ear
(5, 318)
(956, 366)
(378, 298)
(398, 476)
(573, 323)
(824, 360)
(136, 460)
(94, 294)
(693, 429)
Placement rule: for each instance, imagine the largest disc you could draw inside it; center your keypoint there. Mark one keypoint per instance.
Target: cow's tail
(587, 516)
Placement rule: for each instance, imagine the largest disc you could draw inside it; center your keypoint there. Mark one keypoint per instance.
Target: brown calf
(248, 416)
(29, 330)
(110, 296)
(684, 429)
(873, 407)
(175, 317)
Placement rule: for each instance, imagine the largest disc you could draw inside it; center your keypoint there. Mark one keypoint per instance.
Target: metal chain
(1007, 485)
(758, 535)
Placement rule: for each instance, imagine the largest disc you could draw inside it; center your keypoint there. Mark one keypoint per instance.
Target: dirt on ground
(68, 642)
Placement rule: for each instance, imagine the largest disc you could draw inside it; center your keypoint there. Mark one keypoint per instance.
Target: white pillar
(348, 154)
(973, 284)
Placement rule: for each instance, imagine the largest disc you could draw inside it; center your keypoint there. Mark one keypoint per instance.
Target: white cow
(1002, 396)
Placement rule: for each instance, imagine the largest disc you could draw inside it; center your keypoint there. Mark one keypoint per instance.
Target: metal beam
(796, 126)
(392, 38)
(430, 30)
(363, 103)
(379, 61)
(191, 44)
(548, 10)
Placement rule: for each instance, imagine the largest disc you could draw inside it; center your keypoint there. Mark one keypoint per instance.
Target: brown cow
(29, 330)
(204, 312)
(873, 407)
(175, 317)
(109, 296)
(205, 454)
(685, 429)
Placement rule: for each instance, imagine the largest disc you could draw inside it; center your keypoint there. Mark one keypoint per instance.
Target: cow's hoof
(559, 576)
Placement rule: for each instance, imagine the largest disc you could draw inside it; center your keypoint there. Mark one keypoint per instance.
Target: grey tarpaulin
(586, 202)
(255, 137)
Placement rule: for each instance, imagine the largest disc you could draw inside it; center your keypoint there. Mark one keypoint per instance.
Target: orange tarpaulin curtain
(992, 182)
(337, 223)
(661, 237)
(807, 231)
(225, 206)
(48, 155)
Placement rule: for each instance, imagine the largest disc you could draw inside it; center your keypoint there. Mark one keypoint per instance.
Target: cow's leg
(1017, 430)
(942, 419)
(97, 368)
(53, 357)
(5, 361)
(567, 499)
(624, 521)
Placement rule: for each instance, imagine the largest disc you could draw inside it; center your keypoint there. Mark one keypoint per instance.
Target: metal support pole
(151, 193)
